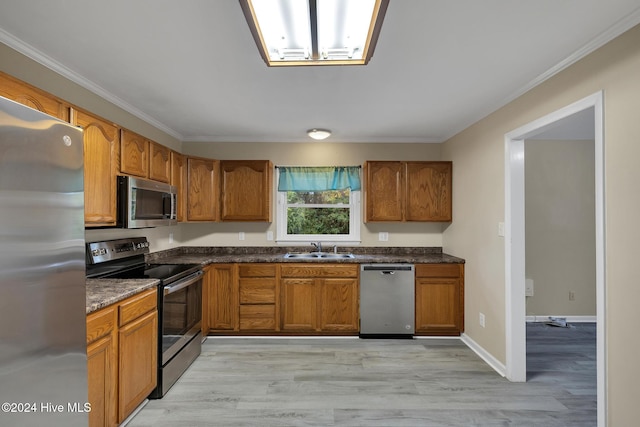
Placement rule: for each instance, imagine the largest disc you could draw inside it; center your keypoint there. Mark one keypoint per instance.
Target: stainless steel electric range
(179, 301)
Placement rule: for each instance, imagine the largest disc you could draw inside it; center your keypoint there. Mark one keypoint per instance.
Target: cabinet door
(299, 306)
(102, 367)
(439, 299)
(206, 305)
(102, 379)
(138, 358)
(428, 196)
(179, 180)
(384, 191)
(25, 94)
(135, 154)
(101, 167)
(222, 298)
(202, 198)
(159, 162)
(339, 305)
(246, 190)
(438, 306)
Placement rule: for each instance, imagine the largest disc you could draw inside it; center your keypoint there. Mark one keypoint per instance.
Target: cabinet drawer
(257, 291)
(257, 317)
(315, 271)
(257, 270)
(438, 270)
(138, 305)
(100, 323)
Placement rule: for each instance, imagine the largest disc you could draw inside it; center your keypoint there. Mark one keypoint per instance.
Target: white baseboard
(498, 366)
(570, 319)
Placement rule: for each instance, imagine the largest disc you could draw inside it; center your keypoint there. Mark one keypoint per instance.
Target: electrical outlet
(572, 296)
(528, 287)
(241, 235)
(269, 235)
(170, 237)
(383, 236)
(481, 319)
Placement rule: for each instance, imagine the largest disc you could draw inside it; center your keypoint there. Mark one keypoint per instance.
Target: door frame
(516, 369)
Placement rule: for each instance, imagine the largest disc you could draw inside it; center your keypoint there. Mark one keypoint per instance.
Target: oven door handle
(187, 281)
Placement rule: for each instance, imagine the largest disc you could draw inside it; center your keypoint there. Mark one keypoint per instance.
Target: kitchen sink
(318, 255)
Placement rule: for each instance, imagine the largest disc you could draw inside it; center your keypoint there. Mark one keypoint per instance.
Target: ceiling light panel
(284, 25)
(343, 27)
(315, 32)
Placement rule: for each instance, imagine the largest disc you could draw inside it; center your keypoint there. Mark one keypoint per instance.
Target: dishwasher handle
(387, 269)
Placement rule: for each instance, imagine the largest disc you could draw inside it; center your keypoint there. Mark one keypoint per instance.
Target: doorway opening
(515, 264)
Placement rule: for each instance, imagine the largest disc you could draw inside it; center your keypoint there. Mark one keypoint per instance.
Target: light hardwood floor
(351, 382)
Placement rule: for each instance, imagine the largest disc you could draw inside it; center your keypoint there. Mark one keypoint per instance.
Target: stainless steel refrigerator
(43, 362)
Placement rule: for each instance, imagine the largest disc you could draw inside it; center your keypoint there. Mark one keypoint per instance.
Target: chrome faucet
(317, 245)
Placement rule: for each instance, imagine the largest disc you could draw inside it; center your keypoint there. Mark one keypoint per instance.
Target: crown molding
(620, 27)
(47, 61)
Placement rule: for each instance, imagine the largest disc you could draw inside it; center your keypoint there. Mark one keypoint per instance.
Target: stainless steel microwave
(144, 203)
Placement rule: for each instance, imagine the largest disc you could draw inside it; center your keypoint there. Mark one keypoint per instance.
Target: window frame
(354, 222)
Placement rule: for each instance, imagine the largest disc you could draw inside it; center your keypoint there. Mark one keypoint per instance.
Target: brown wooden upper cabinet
(246, 188)
(135, 154)
(159, 162)
(144, 158)
(202, 196)
(101, 167)
(32, 97)
(407, 191)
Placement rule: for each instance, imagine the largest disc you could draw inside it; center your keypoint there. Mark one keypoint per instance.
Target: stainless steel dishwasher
(387, 300)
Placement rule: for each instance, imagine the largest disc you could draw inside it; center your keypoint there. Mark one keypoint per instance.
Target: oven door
(181, 315)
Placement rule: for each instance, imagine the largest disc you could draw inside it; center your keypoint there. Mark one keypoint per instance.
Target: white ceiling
(191, 67)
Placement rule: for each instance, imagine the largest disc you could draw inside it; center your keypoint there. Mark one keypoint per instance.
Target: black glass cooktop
(164, 272)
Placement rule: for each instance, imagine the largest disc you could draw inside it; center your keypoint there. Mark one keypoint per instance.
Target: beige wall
(312, 154)
(560, 227)
(27, 70)
(478, 156)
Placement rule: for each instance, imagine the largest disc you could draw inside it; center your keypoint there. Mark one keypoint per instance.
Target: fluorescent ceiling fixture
(315, 32)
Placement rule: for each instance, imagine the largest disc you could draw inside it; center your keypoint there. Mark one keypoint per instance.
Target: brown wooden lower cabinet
(318, 298)
(122, 348)
(138, 352)
(258, 289)
(299, 304)
(439, 299)
(220, 298)
(312, 298)
(102, 346)
(339, 305)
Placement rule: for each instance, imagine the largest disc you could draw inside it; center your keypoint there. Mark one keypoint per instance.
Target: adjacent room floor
(352, 382)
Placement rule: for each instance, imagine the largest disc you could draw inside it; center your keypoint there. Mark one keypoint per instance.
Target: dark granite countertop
(369, 255)
(104, 292)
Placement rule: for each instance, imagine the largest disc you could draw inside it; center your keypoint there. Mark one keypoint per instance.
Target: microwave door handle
(164, 205)
(188, 281)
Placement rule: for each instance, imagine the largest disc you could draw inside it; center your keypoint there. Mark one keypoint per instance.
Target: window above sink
(319, 204)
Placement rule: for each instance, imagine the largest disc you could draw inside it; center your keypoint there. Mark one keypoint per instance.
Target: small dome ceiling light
(319, 134)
